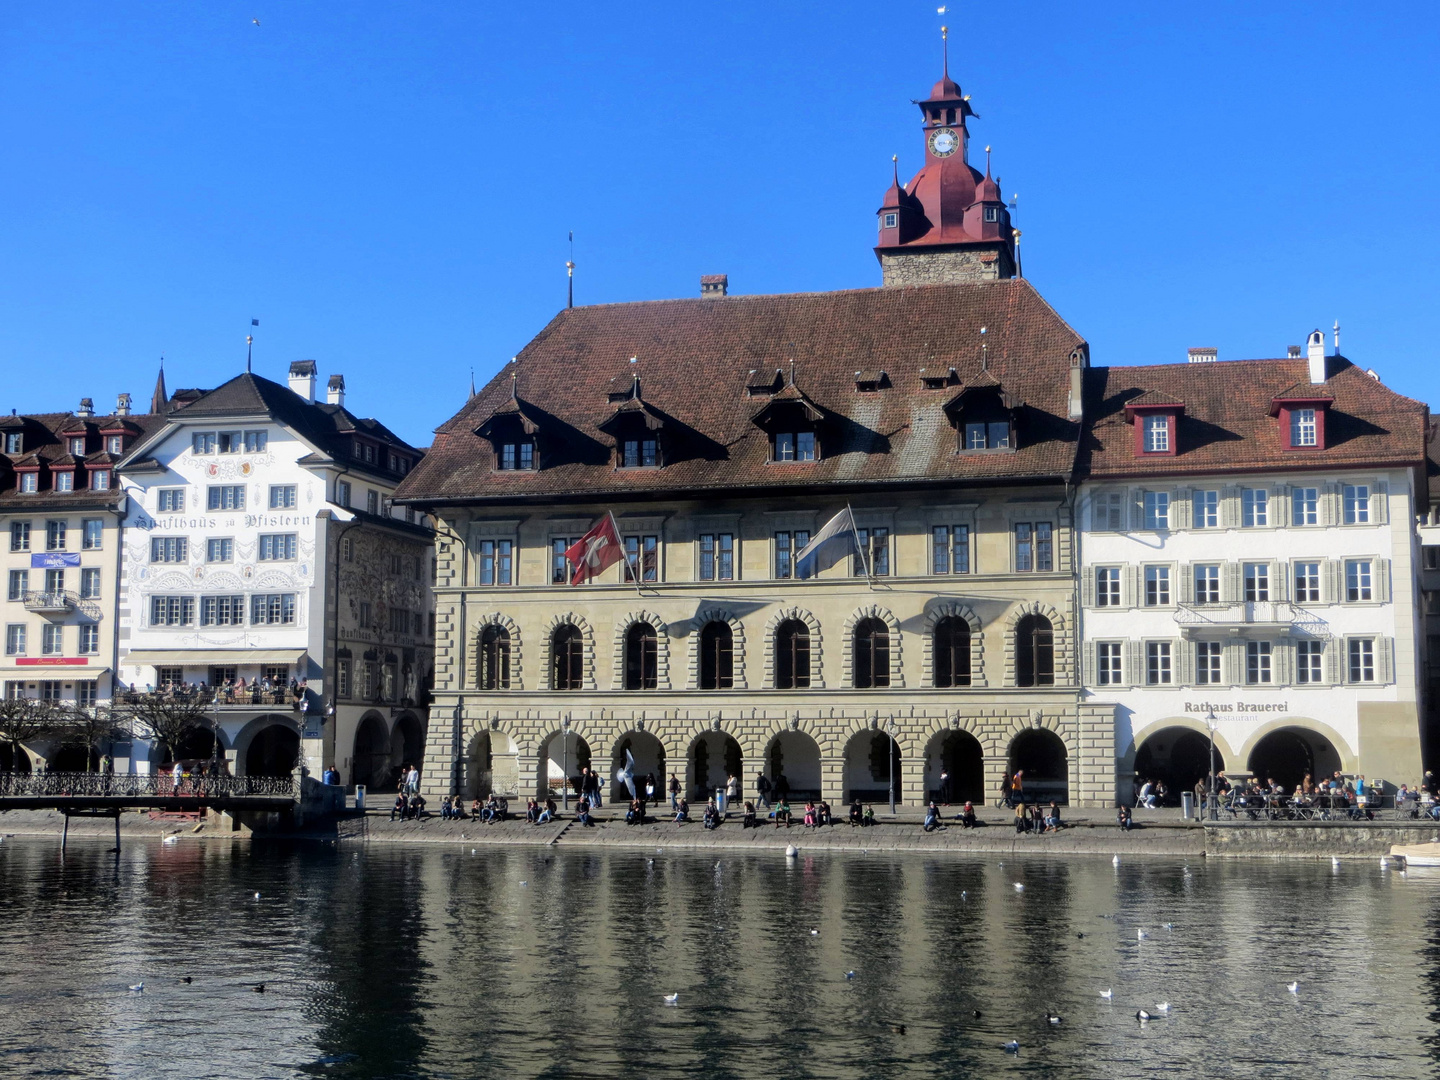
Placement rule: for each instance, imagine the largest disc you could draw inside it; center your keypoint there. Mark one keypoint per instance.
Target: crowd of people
(237, 691)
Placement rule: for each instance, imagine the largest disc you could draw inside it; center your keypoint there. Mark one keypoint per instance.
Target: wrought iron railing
(147, 785)
(207, 696)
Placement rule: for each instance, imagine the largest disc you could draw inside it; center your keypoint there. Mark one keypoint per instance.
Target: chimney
(1293, 352)
(714, 286)
(302, 379)
(87, 407)
(122, 405)
(335, 390)
(1203, 355)
(1079, 361)
(1315, 351)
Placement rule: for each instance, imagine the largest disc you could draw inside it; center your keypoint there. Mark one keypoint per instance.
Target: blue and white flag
(837, 540)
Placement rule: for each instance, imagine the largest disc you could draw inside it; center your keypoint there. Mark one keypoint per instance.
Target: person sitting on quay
(749, 821)
(857, 814)
(782, 813)
(823, 811)
(492, 809)
(1122, 817)
(399, 809)
(712, 815)
(1146, 797)
(547, 813)
(417, 806)
(682, 812)
(811, 815)
(967, 817)
(932, 818)
(445, 808)
(867, 819)
(1052, 817)
(582, 812)
(1022, 818)
(532, 811)
(635, 815)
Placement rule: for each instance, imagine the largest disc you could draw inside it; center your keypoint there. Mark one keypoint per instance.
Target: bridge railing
(148, 785)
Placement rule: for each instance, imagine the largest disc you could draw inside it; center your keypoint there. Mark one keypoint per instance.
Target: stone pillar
(439, 771)
(832, 780)
(995, 765)
(1096, 737)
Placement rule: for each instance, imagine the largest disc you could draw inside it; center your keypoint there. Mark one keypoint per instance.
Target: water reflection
(384, 962)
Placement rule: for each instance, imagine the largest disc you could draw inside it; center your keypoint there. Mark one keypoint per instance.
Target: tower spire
(945, 50)
(570, 274)
(159, 398)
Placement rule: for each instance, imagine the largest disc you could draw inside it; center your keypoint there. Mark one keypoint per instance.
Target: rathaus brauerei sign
(1203, 708)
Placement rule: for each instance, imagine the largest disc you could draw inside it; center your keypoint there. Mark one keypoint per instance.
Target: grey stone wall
(944, 267)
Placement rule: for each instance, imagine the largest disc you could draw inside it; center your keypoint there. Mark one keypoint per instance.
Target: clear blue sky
(388, 187)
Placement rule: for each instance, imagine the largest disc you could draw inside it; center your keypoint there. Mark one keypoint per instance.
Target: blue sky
(388, 187)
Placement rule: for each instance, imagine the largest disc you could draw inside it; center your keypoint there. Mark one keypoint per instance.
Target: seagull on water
(814, 933)
(1293, 987)
(1107, 994)
(1115, 861)
(1169, 926)
(1054, 1018)
(259, 988)
(138, 988)
(1013, 1046)
(1019, 886)
(1142, 1016)
(257, 896)
(672, 999)
(1141, 935)
(1335, 862)
(1163, 1007)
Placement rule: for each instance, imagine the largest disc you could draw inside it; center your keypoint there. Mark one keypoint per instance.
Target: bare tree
(167, 718)
(85, 728)
(24, 720)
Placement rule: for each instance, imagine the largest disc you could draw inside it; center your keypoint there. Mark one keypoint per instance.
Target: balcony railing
(1254, 615)
(247, 698)
(59, 602)
(135, 786)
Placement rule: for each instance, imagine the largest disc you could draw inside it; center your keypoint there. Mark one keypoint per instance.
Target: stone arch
(245, 741)
(991, 742)
(495, 618)
(1126, 760)
(1057, 627)
(873, 611)
(1349, 760)
(723, 749)
(370, 751)
(737, 644)
(587, 635)
(662, 648)
(953, 609)
(817, 668)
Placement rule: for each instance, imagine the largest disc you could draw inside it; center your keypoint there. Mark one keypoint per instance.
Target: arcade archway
(959, 755)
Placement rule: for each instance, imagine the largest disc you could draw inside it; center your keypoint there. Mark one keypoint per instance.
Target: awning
(206, 657)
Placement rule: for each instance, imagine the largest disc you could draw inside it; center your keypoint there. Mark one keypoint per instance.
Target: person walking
(762, 790)
(732, 792)
(674, 792)
(650, 788)
(944, 786)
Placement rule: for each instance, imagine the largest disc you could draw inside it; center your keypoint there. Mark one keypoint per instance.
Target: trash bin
(1187, 805)
(359, 796)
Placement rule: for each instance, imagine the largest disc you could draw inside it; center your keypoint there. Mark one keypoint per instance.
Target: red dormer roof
(1301, 394)
(1152, 401)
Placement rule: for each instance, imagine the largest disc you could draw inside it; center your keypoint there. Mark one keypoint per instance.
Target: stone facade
(957, 267)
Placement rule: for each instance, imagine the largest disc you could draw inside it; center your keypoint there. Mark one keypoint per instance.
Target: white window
(76, 445)
(342, 492)
(1157, 586)
(1107, 586)
(1357, 581)
(255, 442)
(497, 560)
(282, 496)
(1157, 434)
(1362, 660)
(225, 497)
(19, 536)
(276, 609)
(890, 220)
(1107, 663)
(19, 584)
(1305, 506)
(54, 581)
(64, 480)
(55, 535)
(169, 549)
(13, 442)
(1257, 582)
(1302, 427)
(1207, 663)
(89, 639)
(15, 639)
(90, 583)
(1157, 663)
(99, 479)
(29, 482)
(114, 444)
(795, 446)
(52, 640)
(1157, 511)
(992, 213)
(1307, 583)
(85, 693)
(222, 611)
(342, 678)
(1357, 504)
(1207, 584)
(983, 435)
(203, 442)
(1254, 508)
(372, 502)
(1257, 662)
(278, 546)
(219, 549)
(1109, 513)
(1307, 661)
(170, 501)
(172, 610)
(92, 534)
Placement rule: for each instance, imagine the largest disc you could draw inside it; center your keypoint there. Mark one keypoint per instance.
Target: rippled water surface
(519, 963)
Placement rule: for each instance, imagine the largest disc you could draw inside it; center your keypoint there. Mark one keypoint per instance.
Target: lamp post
(1210, 724)
(890, 762)
(565, 761)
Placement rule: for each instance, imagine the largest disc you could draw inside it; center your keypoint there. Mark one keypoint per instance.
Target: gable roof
(696, 357)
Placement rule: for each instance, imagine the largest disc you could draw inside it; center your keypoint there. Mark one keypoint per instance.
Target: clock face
(944, 142)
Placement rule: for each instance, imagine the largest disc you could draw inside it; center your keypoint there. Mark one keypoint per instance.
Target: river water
(431, 962)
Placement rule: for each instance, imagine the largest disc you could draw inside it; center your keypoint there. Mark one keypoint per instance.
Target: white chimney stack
(87, 407)
(122, 405)
(335, 390)
(1202, 355)
(1315, 351)
(302, 379)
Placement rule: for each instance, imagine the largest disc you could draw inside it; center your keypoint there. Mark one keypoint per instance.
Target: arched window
(952, 652)
(717, 657)
(567, 651)
(872, 654)
(494, 672)
(640, 657)
(1034, 652)
(792, 655)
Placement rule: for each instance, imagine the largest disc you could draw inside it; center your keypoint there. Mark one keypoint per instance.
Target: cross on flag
(597, 549)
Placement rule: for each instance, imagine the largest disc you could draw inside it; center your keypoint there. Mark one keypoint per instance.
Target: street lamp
(1210, 724)
(890, 762)
(565, 761)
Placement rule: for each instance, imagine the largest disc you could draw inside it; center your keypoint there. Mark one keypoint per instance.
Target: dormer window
(100, 480)
(13, 442)
(891, 220)
(1302, 428)
(794, 446)
(517, 455)
(115, 444)
(992, 213)
(987, 435)
(30, 482)
(639, 453)
(64, 480)
(1157, 434)
(984, 415)
(76, 445)
(1301, 412)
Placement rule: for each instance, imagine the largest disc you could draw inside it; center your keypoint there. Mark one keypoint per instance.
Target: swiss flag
(597, 549)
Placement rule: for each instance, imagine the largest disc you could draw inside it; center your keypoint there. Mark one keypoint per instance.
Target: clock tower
(949, 224)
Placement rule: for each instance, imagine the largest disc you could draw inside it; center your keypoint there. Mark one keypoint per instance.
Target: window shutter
(1232, 583)
(1180, 510)
(1280, 506)
(1383, 661)
(1234, 661)
(1183, 653)
(1333, 590)
(1279, 581)
(1330, 660)
(1135, 663)
(1137, 510)
(1185, 587)
(1380, 579)
(1282, 663)
(1130, 586)
(1330, 505)
(1380, 503)
(1229, 507)
(1087, 587)
(1089, 677)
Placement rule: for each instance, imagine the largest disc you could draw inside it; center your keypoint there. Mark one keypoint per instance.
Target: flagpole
(864, 553)
(635, 569)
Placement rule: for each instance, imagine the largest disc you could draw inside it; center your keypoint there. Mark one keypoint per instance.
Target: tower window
(992, 213)
(891, 220)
